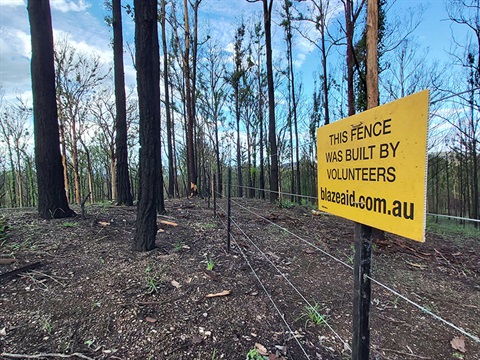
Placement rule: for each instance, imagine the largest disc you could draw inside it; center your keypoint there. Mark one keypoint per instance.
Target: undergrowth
(3, 228)
(448, 227)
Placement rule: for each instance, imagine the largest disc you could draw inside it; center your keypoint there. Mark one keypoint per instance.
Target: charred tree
(52, 201)
(169, 123)
(148, 86)
(124, 194)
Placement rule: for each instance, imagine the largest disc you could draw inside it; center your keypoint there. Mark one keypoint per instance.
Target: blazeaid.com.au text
(395, 208)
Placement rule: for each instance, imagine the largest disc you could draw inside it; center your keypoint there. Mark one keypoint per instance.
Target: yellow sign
(372, 166)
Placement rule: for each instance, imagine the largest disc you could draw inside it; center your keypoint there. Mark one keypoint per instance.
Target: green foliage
(47, 327)
(307, 203)
(452, 228)
(285, 204)
(312, 315)
(69, 224)
(254, 355)
(210, 263)
(178, 246)
(152, 280)
(89, 342)
(3, 229)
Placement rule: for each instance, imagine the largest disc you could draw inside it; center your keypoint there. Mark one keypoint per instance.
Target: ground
(88, 294)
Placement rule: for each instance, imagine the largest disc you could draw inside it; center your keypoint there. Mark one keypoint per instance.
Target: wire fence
(314, 199)
(295, 288)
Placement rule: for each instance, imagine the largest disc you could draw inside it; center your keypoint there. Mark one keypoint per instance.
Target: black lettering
(381, 174)
(364, 174)
(406, 215)
(352, 198)
(377, 129)
(397, 209)
(361, 203)
(368, 203)
(391, 174)
(386, 127)
(380, 205)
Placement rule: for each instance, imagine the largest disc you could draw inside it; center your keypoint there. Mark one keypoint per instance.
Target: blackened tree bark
(190, 118)
(272, 136)
(52, 201)
(124, 194)
(288, 37)
(148, 87)
(169, 124)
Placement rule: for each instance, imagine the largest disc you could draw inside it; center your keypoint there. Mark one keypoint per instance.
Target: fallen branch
(20, 270)
(405, 353)
(7, 261)
(50, 277)
(168, 222)
(45, 355)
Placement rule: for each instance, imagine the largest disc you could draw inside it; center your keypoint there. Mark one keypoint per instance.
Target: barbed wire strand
(316, 199)
(280, 192)
(295, 235)
(473, 337)
(267, 293)
(454, 217)
(345, 344)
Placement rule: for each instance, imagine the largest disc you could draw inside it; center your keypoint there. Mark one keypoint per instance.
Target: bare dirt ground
(88, 295)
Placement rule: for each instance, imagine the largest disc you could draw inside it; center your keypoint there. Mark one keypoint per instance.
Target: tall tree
(148, 84)
(272, 136)
(52, 201)
(467, 14)
(189, 102)
(14, 133)
(319, 17)
(77, 76)
(212, 97)
(287, 23)
(122, 181)
(169, 122)
(351, 16)
(235, 81)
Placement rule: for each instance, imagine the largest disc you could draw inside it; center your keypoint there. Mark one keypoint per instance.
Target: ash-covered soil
(87, 295)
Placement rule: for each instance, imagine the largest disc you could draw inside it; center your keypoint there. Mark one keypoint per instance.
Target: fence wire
(266, 292)
(396, 293)
(315, 198)
(345, 343)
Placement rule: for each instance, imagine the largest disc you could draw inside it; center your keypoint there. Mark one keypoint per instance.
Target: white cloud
(100, 49)
(13, 3)
(66, 6)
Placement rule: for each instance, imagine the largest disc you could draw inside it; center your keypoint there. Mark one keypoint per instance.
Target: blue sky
(82, 21)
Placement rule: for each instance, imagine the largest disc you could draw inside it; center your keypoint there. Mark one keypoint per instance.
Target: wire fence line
(396, 293)
(345, 343)
(315, 198)
(266, 291)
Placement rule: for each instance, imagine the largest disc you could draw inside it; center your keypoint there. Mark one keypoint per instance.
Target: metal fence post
(214, 194)
(229, 195)
(362, 292)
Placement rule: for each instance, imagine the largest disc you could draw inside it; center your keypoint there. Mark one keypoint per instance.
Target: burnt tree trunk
(272, 136)
(52, 201)
(148, 78)
(124, 193)
(169, 124)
